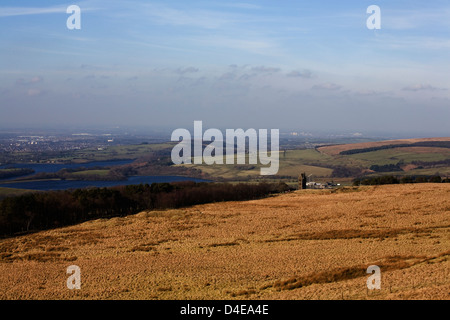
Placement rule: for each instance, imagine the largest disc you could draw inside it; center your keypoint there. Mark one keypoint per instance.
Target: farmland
(120, 152)
(340, 163)
(327, 163)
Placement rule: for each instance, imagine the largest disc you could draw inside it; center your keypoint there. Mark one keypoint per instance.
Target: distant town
(44, 143)
(21, 146)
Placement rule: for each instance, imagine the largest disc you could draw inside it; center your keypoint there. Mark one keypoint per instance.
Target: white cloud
(26, 11)
(228, 76)
(327, 86)
(423, 87)
(257, 46)
(264, 69)
(195, 18)
(26, 82)
(34, 92)
(415, 18)
(300, 74)
(187, 70)
(241, 5)
(21, 11)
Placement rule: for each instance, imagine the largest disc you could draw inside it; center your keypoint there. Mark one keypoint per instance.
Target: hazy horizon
(300, 66)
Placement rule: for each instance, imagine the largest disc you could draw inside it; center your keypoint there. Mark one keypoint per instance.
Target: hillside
(342, 163)
(308, 244)
(336, 149)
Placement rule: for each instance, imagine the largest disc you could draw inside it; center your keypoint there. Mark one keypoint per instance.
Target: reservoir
(52, 167)
(45, 185)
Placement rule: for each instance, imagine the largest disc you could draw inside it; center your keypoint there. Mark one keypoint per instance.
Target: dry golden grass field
(336, 149)
(310, 244)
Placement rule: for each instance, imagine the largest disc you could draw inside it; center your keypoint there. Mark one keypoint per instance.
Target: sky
(311, 66)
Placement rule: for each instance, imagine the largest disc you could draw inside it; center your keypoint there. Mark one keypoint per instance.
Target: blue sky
(300, 65)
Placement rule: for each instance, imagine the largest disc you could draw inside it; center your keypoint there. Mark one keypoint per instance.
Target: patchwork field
(309, 244)
(120, 152)
(406, 155)
(336, 149)
(428, 156)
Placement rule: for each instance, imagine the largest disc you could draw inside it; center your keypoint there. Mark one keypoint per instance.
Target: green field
(127, 152)
(295, 162)
(8, 192)
(320, 165)
(393, 156)
(291, 164)
(441, 171)
(91, 172)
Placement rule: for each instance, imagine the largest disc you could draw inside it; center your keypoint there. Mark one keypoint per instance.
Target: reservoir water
(45, 185)
(52, 167)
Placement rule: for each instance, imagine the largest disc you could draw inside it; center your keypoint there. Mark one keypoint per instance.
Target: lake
(45, 185)
(52, 167)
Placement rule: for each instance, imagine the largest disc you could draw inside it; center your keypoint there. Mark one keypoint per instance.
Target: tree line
(434, 144)
(390, 179)
(70, 174)
(46, 210)
(386, 167)
(428, 164)
(15, 172)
